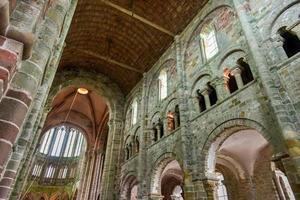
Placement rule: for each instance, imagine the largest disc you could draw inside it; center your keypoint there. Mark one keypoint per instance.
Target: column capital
(217, 81)
(236, 71)
(205, 91)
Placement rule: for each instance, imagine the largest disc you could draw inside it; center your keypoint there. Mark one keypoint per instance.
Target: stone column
(24, 85)
(281, 113)
(28, 157)
(112, 162)
(205, 93)
(219, 85)
(90, 175)
(83, 176)
(210, 188)
(237, 73)
(142, 157)
(187, 146)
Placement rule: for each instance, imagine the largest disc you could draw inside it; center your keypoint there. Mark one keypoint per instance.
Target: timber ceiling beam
(109, 60)
(142, 19)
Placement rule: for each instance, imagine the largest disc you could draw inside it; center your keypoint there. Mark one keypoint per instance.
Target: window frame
(163, 84)
(134, 112)
(207, 29)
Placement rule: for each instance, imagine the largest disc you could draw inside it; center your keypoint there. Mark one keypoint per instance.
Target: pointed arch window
(134, 112)
(163, 84)
(209, 41)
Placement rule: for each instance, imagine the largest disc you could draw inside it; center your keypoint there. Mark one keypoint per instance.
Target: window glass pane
(210, 44)
(58, 141)
(77, 146)
(163, 85)
(72, 143)
(71, 134)
(47, 141)
(134, 112)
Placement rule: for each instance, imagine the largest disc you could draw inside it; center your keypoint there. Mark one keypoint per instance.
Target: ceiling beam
(109, 60)
(142, 19)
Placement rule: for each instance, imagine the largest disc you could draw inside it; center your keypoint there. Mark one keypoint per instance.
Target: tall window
(163, 84)
(209, 41)
(134, 108)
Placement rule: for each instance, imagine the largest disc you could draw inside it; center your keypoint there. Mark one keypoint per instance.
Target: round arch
(158, 168)
(227, 128)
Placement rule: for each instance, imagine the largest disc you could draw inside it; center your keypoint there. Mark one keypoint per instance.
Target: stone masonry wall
(249, 107)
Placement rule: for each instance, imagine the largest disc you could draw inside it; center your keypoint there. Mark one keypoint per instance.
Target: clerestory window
(134, 112)
(163, 84)
(209, 41)
(62, 141)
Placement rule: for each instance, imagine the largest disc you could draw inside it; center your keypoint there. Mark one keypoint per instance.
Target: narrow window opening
(291, 43)
(161, 127)
(127, 153)
(163, 85)
(170, 121)
(246, 74)
(155, 133)
(134, 112)
(212, 95)
(230, 81)
(177, 115)
(137, 145)
(209, 41)
(201, 101)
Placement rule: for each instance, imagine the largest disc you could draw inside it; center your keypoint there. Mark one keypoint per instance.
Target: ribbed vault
(123, 38)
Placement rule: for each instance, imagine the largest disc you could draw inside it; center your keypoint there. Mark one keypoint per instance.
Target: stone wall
(247, 108)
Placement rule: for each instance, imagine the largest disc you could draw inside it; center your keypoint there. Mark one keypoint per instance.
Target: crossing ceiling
(123, 38)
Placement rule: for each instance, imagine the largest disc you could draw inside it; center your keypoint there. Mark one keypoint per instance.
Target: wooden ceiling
(124, 38)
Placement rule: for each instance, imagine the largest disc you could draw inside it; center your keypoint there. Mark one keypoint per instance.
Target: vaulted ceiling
(86, 111)
(124, 38)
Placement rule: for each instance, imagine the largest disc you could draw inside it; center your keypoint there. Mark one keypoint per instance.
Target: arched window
(221, 189)
(246, 73)
(291, 42)
(62, 141)
(134, 112)
(127, 153)
(161, 128)
(171, 121)
(155, 132)
(177, 116)
(137, 144)
(201, 101)
(230, 81)
(163, 84)
(212, 94)
(209, 41)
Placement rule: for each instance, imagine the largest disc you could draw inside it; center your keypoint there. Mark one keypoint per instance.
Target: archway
(240, 166)
(129, 188)
(167, 181)
(71, 150)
